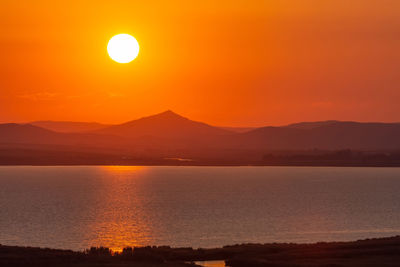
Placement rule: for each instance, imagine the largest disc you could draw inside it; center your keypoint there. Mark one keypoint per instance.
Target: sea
(77, 207)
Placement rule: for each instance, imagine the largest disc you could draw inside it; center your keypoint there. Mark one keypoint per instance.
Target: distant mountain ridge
(169, 135)
(312, 124)
(329, 135)
(17, 133)
(238, 129)
(69, 126)
(168, 124)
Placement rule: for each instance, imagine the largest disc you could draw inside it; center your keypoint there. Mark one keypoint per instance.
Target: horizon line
(219, 126)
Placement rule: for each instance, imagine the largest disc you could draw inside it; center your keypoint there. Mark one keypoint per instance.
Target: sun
(123, 48)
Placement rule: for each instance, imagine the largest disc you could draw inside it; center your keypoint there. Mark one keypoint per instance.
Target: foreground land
(369, 252)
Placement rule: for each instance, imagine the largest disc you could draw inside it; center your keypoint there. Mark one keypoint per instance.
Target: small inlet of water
(210, 263)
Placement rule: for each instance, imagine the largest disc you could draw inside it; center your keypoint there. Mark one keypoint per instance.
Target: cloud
(38, 96)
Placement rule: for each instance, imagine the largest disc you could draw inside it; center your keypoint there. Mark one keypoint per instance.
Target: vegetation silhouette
(370, 252)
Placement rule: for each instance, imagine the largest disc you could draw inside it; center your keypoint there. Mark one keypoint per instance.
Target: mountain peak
(165, 124)
(169, 113)
(166, 115)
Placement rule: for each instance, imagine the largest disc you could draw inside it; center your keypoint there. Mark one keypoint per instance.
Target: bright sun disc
(123, 48)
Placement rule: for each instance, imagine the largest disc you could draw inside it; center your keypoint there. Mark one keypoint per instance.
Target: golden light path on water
(120, 230)
(122, 219)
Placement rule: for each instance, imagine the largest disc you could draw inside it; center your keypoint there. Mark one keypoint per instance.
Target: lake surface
(78, 207)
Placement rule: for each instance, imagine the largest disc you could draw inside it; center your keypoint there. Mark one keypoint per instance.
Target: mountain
(310, 125)
(330, 135)
(26, 133)
(69, 126)
(165, 137)
(166, 125)
(169, 130)
(238, 129)
(12, 133)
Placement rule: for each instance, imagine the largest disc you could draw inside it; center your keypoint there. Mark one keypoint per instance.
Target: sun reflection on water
(120, 168)
(121, 217)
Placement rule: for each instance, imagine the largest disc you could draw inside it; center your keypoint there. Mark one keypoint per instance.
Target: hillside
(69, 126)
(165, 125)
(168, 137)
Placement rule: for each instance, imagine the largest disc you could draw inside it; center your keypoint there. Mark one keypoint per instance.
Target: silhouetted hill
(26, 133)
(311, 125)
(238, 129)
(165, 125)
(332, 135)
(163, 137)
(12, 133)
(69, 126)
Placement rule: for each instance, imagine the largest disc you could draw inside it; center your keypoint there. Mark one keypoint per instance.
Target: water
(210, 263)
(79, 207)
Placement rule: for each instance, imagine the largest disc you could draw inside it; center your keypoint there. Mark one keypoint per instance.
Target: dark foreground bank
(370, 252)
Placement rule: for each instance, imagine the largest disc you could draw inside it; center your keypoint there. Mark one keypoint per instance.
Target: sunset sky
(226, 62)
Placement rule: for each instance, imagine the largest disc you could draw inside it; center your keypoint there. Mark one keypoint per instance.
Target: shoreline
(367, 252)
(204, 165)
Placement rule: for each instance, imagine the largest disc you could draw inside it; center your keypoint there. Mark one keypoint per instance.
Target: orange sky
(223, 62)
